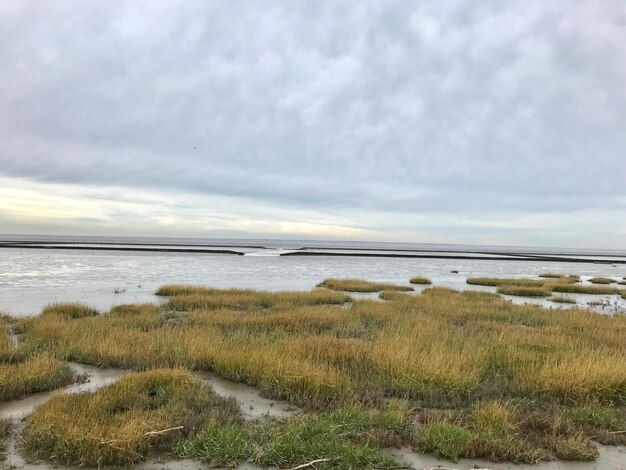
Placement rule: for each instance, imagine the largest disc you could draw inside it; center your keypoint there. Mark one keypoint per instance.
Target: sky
(443, 122)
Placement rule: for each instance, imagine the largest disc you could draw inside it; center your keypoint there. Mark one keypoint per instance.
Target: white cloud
(369, 120)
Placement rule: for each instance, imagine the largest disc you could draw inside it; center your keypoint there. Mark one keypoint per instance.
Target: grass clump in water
(523, 291)
(602, 280)
(37, 374)
(122, 423)
(584, 289)
(358, 285)
(420, 280)
(238, 299)
(562, 277)
(170, 290)
(496, 282)
(562, 299)
(70, 310)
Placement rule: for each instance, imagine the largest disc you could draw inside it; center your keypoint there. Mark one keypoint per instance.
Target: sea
(106, 271)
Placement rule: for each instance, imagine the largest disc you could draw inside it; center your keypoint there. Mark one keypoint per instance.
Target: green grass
(220, 444)
(602, 280)
(602, 422)
(420, 280)
(499, 431)
(562, 299)
(351, 438)
(445, 439)
(123, 423)
(358, 285)
(523, 291)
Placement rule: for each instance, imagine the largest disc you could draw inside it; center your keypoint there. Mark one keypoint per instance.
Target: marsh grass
(420, 280)
(70, 310)
(584, 289)
(22, 373)
(497, 282)
(122, 423)
(562, 277)
(501, 431)
(253, 300)
(564, 284)
(5, 434)
(523, 291)
(37, 374)
(358, 285)
(602, 280)
(561, 299)
(438, 349)
(351, 437)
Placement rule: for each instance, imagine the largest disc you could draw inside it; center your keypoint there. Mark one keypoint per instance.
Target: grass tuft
(122, 423)
(602, 280)
(445, 439)
(38, 374)
(584, 289)
(358, 285)
(70, 310)
(523, 291)
(562, 299)
(420, 280)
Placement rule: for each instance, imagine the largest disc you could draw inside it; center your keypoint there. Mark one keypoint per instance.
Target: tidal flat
(240, 377)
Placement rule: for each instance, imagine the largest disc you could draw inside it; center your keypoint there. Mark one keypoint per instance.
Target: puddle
(610, 458)
(252, 404)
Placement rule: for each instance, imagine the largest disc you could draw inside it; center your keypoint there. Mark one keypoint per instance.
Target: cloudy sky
(430, 121)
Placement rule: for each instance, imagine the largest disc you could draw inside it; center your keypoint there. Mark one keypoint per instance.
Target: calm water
(32, 278)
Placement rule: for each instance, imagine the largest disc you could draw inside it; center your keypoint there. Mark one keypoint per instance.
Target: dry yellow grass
(39, 374)
(359, 285)
(251, 299)
(500, 367)
(22, 374)
(122, 423)
(441, 346)
(523, 291)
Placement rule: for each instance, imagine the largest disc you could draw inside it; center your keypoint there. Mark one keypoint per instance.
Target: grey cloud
(378, 105)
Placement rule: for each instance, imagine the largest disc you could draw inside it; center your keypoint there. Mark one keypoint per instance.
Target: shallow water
(30, 279)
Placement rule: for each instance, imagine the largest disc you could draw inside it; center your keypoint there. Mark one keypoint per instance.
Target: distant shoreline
(307, 251)
(120, 248)
(512, 257)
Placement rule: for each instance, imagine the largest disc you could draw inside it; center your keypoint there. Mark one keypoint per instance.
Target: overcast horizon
(432, 122)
